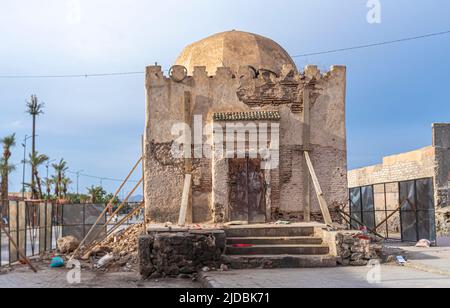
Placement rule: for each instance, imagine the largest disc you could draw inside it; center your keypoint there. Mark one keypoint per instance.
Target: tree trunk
(33, 168)
(4, 193)
(39, 185)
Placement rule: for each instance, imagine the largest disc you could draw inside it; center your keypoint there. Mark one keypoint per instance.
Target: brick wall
(403, 167)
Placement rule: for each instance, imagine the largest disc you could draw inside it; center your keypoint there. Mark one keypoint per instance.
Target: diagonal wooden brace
(322, 202)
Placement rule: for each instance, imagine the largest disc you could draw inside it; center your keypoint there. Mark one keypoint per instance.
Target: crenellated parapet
(257, 88)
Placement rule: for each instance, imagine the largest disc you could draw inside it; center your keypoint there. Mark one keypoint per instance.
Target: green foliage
(35, 108)
(97, 194)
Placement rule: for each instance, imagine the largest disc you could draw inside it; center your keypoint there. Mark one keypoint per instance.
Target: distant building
(417, 182)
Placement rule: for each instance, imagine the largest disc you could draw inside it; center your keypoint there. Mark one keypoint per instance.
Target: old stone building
(411, 189)
(250, 115)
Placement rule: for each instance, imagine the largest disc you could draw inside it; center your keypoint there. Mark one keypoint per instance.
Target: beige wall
(164, 176)
(402, 167)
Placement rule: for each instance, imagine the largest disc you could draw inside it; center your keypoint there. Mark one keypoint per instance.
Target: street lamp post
(24, 145)
(78, 180)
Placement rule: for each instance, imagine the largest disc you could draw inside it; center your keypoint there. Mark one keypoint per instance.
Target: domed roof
(235, 49)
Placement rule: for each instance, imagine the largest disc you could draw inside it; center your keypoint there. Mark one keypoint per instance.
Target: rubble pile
(119, 250)
(67, 244)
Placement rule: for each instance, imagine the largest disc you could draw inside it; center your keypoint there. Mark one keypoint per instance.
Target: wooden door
(247, 191)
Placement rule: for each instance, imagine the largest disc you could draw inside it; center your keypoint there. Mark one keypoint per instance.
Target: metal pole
(78, 180)
(24, 144)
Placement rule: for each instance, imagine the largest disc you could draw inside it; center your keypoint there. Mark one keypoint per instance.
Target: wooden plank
(17, 248)
(185, 200)
(322, 202)
(306, 118)
(143, 182)
(188, 142)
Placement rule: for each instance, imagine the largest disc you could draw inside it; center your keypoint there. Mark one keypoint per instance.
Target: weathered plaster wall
(441, 143)
(225, 92)
(402, 167)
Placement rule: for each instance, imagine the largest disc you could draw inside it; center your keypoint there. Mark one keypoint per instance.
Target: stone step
(293, 240)
(280, 261)
(270, 231)
(278, 250)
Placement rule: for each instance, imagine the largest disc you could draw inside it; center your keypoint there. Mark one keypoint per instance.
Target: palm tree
(60, 169)
(5, 169)
(34, 108)
(65, 185)
(48, 186)
(97, 194)
(36, 160)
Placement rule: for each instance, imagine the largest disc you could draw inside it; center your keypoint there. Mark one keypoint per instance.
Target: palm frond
(8, 141)
(34, 107)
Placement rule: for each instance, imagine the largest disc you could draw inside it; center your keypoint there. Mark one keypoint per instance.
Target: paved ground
(22, 277)
(426, 268)
(433, 259)
(342, 277)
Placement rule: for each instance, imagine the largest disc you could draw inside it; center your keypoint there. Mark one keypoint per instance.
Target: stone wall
(441, 142)
(226, 92)
(173, 254)
(356, 249)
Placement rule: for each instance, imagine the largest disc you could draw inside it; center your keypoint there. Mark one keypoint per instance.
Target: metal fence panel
(79, 218)
(13, 230)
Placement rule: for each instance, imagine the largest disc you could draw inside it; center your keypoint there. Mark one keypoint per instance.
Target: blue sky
(394, 92)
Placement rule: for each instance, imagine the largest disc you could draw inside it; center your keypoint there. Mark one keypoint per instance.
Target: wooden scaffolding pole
(306, 118)
(106, 208)
(19, 251)
(320, 196)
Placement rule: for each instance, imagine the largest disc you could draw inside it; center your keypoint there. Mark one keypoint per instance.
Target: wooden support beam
(106, 208)
(322, 202)
(360, 223)
(185, 200)
(188, 142)
(306, 136)
(143, 182)
(19, 250)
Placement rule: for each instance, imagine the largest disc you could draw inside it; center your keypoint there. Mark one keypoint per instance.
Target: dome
(235, 49)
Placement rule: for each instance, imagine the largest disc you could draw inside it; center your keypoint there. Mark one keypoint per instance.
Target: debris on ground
(283, 222)
(57, 262)
(206, 269)
(105, 261)
(401, 260)
(118, 251)
(423, 244)
(236, 223)
(67, 244)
